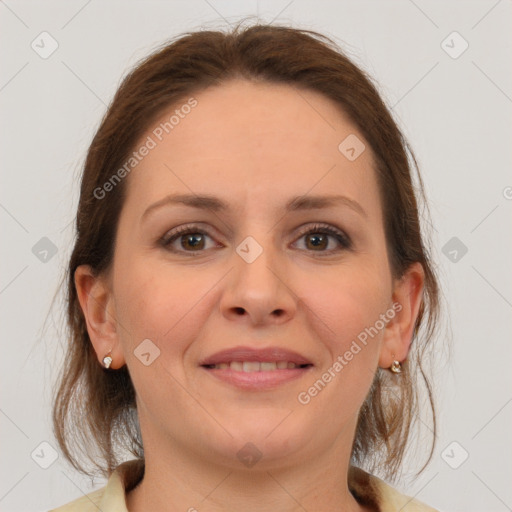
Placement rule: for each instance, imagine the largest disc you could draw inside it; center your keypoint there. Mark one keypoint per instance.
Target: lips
(256, 370)
(246, 355)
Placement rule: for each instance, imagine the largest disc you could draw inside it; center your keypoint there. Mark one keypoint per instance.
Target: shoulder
(87, 503)
(375, 493)
(112, 497)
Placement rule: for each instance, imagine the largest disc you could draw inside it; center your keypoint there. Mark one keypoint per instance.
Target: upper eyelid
(303, 227)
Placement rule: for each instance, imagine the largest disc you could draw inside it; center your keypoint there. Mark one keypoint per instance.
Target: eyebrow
(298, 203)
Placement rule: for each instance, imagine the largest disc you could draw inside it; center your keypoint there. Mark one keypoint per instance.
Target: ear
(407, 299)
(97, 303)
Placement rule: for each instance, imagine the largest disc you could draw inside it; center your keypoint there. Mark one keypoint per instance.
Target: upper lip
(254, 354)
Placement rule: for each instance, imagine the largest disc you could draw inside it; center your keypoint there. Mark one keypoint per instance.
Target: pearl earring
(396, 366)
(107, 360)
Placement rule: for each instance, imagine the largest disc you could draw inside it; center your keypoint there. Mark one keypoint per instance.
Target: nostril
(240, 311)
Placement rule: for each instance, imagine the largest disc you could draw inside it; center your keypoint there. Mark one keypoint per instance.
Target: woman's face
(248, 276)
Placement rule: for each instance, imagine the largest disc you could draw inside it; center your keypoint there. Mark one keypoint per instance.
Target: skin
(254, 146)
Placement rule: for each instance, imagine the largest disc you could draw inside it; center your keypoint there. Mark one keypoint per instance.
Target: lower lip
(258, 380)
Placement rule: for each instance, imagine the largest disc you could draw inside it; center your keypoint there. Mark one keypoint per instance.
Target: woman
(247, 285)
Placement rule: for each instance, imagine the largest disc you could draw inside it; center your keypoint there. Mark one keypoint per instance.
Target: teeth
(251, 366)
(255, 366)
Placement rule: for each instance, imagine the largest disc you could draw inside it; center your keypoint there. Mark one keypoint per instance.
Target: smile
(256, 366)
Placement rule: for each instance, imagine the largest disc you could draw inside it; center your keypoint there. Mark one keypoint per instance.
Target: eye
(190, 238)
(318, 237)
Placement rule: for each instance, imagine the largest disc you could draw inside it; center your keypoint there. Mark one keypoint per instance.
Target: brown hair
(95, 409)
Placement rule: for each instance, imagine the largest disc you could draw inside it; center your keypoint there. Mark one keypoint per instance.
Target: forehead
(261, 140)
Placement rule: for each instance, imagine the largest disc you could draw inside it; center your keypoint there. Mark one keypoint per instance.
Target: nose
(258, 292)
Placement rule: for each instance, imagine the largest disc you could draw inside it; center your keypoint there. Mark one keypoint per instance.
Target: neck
(182, 481)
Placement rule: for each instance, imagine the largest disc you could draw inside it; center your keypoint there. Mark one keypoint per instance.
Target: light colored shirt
(367, 489)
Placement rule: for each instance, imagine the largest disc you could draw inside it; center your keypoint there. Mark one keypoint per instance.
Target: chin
(264, 443)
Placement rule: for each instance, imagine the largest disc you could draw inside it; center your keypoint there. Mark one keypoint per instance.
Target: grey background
(456, 112)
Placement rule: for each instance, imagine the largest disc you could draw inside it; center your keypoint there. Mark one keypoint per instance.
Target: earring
(107, 360)
(396, 367)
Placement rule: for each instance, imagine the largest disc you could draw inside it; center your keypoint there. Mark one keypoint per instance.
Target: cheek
(345, 378)
(343, 311)
(345, 303)
(163, 308)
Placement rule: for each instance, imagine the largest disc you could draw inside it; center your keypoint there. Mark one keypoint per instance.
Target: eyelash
(344, 240)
